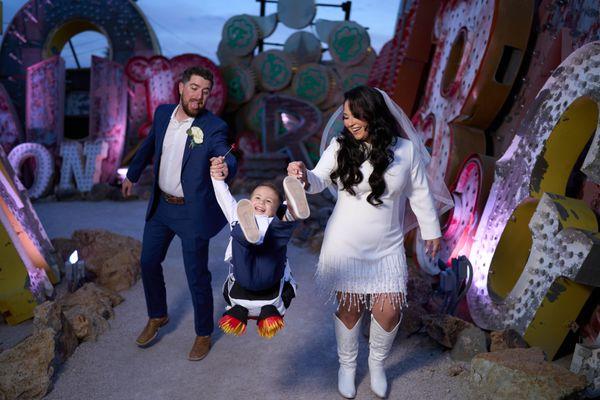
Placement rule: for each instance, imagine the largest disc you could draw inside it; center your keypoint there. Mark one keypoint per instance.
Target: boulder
(315, 242)
(102, 191)
(411, 319)
(419, 290)
(64, 247)
(419, 287)
(507, 339)
(445, 328)
(302, 233)
(49, 315)
(27, 368)
(68, 194)
(456, 369)
(522, 374)
(470, 342)
(140, 192)
(112, 259)
(88, 310)
(143, 188)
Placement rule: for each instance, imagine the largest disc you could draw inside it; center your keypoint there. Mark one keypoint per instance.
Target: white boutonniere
(196, 134)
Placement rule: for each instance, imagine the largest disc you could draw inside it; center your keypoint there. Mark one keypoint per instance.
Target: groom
(183, 140)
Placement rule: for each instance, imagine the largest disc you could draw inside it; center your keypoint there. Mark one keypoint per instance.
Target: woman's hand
(432, 247)
(297, 169)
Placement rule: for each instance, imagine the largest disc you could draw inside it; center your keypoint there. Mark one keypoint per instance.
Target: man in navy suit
(183, 140)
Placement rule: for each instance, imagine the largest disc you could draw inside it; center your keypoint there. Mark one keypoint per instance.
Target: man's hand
(297, 169)
(432, 247)
(218, 168)
(126, 188)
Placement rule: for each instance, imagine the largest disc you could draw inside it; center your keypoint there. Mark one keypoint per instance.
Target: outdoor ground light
(74, 271)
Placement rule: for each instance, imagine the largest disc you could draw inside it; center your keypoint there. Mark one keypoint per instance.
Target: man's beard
(188, 111)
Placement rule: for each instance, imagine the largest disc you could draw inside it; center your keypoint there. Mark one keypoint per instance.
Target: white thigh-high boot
(380, 343)
(347, 348)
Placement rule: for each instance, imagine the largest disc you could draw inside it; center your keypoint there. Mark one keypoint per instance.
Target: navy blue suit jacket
(200, 201)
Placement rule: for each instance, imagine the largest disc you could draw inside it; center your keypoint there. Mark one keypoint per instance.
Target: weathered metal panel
(44, 121)
(108, 112)
(10, 126)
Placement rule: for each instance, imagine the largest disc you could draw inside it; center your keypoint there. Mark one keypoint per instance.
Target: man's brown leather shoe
(151, 331)
(200, 348)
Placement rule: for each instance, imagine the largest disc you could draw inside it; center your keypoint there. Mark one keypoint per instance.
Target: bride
(376, 164)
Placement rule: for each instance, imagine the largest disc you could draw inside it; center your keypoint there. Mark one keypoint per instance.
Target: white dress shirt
(171, 159)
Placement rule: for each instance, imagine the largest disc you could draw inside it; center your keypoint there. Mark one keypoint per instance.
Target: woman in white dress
(362, 261)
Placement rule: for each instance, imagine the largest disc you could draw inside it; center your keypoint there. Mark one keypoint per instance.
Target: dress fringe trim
(363, 282)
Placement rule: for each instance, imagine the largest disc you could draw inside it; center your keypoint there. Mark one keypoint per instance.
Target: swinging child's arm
(225, 199)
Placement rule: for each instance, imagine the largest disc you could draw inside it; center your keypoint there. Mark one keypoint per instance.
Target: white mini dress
(363, 246)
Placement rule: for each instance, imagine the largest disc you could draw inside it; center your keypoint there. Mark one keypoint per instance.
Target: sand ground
(299, 363)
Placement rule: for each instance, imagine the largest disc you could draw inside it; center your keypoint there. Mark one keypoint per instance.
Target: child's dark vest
(260, 266)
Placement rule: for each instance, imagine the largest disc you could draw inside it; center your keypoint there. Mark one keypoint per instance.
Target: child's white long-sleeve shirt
(228, 205)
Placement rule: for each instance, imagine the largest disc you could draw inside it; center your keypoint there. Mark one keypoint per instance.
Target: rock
(68, 194)
(143, 188)
(101, 191)
(302, 232)
(113, 259)
(445, 328)
(88, 310)
(470, 342)
(315, 242)
(64, 247)
(456, 369)
(116, 195)
(27, 368)
(85, 328)
(522, 374)
(419, 287)
(411, 319)
(314, 225)
(49, 315)
(507, 339)
(141, 193)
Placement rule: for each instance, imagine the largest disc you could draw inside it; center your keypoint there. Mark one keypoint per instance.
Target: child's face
(265, 201)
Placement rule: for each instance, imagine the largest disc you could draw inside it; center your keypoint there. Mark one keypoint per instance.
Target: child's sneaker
(269, 321)
(245, 212)
(296, 197)
(234, 320)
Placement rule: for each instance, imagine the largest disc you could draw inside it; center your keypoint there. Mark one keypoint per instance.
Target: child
(260, 283)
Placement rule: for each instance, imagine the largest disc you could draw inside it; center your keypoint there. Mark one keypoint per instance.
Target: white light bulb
(74, 257)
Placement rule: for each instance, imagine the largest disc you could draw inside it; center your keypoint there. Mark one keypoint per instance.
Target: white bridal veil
(441, 195)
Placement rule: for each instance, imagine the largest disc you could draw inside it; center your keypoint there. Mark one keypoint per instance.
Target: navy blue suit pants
(167, 221)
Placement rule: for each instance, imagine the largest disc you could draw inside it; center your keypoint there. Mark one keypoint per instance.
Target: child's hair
(271, 186)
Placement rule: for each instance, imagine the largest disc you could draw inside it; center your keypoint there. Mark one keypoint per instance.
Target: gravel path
(299, 363)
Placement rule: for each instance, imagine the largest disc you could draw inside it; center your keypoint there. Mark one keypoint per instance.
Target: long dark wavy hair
(368, 105)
